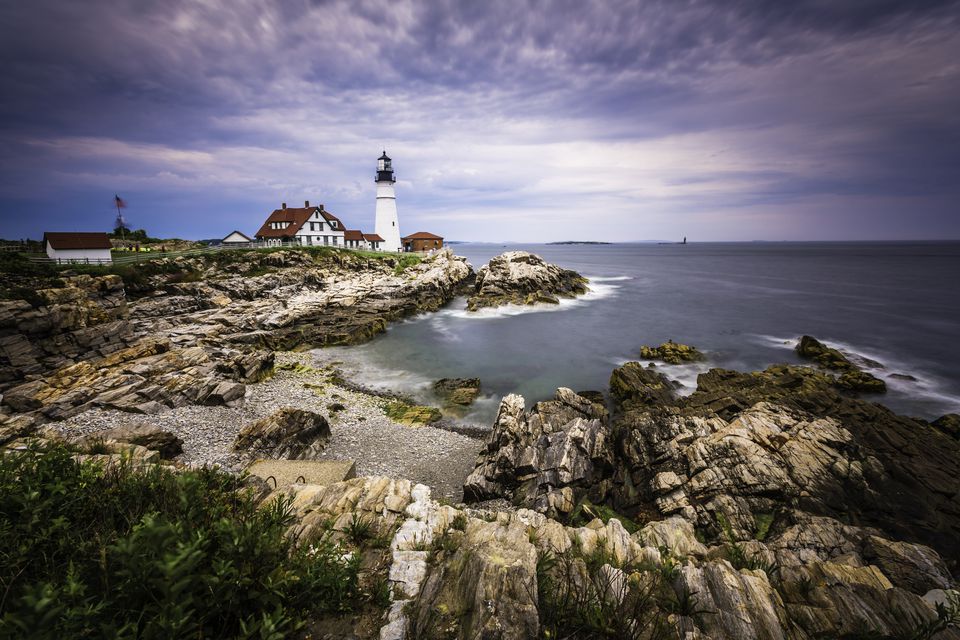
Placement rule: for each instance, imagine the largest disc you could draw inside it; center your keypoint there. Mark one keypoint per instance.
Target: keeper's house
(308, 226)
(421, 241)
(79, 247)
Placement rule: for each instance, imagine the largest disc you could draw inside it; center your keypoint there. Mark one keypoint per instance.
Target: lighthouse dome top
(385, 168)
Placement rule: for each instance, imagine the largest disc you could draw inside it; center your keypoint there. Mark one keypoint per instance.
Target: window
(393, 224)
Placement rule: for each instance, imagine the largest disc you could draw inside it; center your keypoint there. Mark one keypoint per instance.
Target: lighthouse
(387, 226)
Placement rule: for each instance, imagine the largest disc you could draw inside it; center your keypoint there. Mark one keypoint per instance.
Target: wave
(901, 376)
(597, 291)
(685, 374)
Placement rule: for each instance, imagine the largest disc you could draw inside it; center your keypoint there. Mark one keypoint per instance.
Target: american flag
(117, 200)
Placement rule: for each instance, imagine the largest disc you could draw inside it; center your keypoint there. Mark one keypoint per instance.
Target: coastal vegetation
(126, 550)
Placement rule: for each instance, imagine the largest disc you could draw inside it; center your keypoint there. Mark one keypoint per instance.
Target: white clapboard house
(313, 226)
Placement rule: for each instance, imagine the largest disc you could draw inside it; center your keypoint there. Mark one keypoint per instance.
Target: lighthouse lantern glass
(380, 165)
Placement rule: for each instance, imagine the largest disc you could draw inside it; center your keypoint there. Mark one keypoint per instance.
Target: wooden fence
(141, 256)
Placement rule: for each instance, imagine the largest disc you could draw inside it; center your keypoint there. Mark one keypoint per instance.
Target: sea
(894, 308)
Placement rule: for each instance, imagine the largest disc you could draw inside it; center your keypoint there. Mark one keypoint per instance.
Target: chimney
(306, 204)
(283, 205)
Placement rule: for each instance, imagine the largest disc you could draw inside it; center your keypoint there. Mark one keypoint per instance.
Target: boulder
(289, 433)
(153, 438)
(411, 415)
(546, 459)
(671, 352)
(458, 391)
(851, 378)
(635, 384)
(519, 277)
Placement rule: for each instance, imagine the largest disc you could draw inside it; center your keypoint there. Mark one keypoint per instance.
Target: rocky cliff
(787, 509)
(519, 277)
(197, 330)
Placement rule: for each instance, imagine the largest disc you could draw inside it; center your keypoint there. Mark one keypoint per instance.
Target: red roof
(372, 237)
(77, 240)
(353, 234)
(422, 235)
(295, 219)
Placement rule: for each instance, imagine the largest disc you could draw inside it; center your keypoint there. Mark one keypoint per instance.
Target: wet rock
(289, 433)
(851, 378)
(948, 424)
(458, 391)
(672, 353)
(519, 277)
(635, 384)
(412, 415)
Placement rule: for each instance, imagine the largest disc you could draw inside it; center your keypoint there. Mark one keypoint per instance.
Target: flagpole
(123, 237)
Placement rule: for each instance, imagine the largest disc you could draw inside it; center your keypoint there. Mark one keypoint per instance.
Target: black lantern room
(384, 169)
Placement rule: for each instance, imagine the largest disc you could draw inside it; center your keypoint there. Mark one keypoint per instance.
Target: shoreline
(438, 457)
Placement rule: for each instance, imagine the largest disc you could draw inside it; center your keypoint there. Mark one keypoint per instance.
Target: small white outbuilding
(235, 237)
(80, 247)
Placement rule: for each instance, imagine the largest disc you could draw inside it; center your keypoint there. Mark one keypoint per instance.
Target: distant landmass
(579, 242)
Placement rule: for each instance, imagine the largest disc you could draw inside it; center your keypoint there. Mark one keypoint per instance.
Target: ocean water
(896, 306)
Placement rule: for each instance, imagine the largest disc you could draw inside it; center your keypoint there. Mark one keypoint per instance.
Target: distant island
(579, 242)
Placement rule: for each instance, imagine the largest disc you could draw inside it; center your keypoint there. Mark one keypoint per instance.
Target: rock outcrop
(458, 391)
(292, 434)
(788, 509)
(851, 378)
(671, 352)
(76, 319)
(547, 459)
(463, 573)
(163, 442)
(519, 277)
(196, 328)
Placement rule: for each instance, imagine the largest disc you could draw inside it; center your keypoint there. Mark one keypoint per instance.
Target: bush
(88, 550)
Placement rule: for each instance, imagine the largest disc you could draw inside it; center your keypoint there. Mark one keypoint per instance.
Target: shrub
(119, 551)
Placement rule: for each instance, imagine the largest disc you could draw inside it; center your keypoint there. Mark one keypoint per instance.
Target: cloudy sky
(507, 120)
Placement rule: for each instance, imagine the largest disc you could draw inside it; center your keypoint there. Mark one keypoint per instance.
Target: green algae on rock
(672, 353)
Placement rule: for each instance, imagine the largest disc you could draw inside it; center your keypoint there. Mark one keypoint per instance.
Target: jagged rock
(83, 317)
(289, 433)
(182, 341)
(671, 352)
(852, 378)
(486, 589)
(635, 384)
(458, 391)
(248, 367)
(948, 424)
(518, 277)
(545, 458)
(165, 443)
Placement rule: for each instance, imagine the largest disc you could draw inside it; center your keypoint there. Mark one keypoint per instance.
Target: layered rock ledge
(790, 509)
(519, 277)
(197, 330)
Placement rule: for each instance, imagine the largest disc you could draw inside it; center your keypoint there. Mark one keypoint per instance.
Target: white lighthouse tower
(387, 226)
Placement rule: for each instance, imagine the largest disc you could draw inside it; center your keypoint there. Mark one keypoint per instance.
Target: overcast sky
(513, 120)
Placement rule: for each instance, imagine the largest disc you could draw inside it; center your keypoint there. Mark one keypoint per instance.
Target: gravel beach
(361, 432)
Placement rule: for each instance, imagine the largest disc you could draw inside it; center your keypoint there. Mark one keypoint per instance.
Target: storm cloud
(531, 121)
